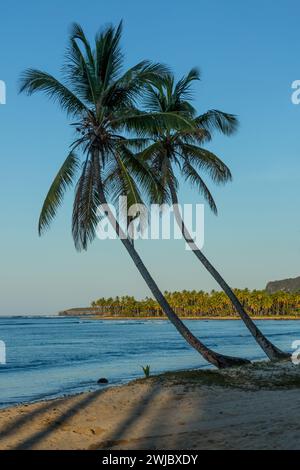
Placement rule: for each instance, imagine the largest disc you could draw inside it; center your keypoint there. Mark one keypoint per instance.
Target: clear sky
(249, 54)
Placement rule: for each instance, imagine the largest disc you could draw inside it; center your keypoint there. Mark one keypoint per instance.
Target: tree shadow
(17, 424)
(162, 431)
(153, 428)
(38, 436)
(118, 434)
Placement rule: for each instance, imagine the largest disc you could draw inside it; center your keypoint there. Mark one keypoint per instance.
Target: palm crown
(109, 125)
(183, 148)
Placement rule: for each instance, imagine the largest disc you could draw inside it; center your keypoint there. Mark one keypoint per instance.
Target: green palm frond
(219, 121)
(119, 182)
(63, 180)
(142, 173)
(35, 80)
(85, 207)
(128, 89)
(197, 135)
(193, 177)
(136, 144)
(182, 90)
(147, 73)
(154, 101)
(109, 57)
(145, 124)
(208, 161)
(80, 74)
(163, 96)
(156, 157)
(131, 190)
(78, 33)
(153, 150)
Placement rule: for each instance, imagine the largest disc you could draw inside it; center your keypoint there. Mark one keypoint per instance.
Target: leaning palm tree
(104, 102)
(184, 149)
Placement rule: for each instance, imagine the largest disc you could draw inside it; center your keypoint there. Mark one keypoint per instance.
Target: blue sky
(249, 55)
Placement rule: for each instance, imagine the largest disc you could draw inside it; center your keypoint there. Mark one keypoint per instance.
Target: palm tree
(170, 148)
(104, 102)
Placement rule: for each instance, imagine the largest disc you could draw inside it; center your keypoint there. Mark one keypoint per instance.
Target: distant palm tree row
(203, 304)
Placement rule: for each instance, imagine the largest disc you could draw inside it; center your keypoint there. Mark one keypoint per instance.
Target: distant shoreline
(100, 317)
(119, 318)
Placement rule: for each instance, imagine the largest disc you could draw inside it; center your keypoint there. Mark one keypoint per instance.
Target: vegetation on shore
(259, 303)
(260, 375)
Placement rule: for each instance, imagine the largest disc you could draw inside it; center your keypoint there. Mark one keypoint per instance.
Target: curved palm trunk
(214, 358)
(269, 348)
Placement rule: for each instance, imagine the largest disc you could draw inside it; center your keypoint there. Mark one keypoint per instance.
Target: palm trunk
(269, 348)
(214, 358)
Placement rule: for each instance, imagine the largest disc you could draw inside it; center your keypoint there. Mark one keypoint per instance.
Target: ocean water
(49, 357)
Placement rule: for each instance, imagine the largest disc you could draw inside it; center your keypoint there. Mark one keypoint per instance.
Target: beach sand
(257, 407)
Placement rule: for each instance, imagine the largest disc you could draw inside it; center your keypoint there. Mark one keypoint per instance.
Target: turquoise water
(53, 356)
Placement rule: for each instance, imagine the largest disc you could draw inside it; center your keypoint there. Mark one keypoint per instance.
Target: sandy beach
(257, 407)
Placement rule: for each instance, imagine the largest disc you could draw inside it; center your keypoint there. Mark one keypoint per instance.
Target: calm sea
(54, 356)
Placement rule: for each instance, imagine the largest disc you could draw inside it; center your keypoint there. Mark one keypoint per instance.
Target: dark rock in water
(102, 381)
(285, 285)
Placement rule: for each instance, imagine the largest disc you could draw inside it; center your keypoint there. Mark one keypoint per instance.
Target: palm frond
(151, 151)
(136, 144)
(191, 136)
(150, 72)
(86, 203)
(63, 180)
(163, 96)
(154, 101)
(143, 174)
(192, 176)
(109, 57)
(80, 74)
(132, 84)
(149, 123)
(35, 80)
(78, 33)
(160, 163)
(182, 90)
(131, 190)
(219, 121)
(206, 160)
